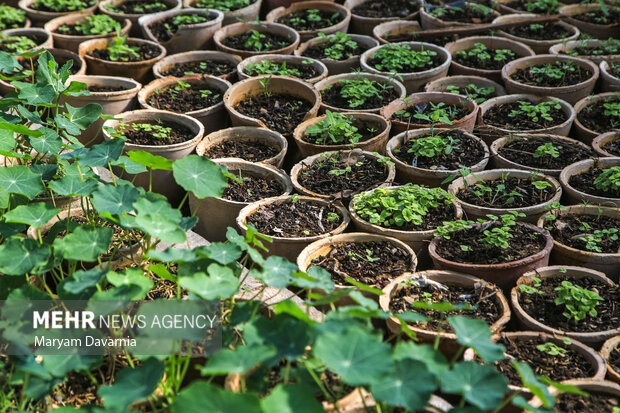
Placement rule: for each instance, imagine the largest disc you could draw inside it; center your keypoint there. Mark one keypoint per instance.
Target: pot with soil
(245, 142)
(134, 60)
(538, 36)
(597, 114)
(358, 92)
(611, 353)
(592, 19)
(293, 222)
(304, 68)
(546, 300)
(477, 88)
(183, 30)
(167, 134)
(366, 14)
(450, 16)
(602, 396)
(39, 13)
(249, 39)
(431, 156)
(607, 144)
(485, 56)
(547, 154)
(134, 9)
(114, 94)
(339, 52)
(414, 63)
(234, 11)
(15, 41)
(595, 50)
(431, 109)
(255, 181)
(594, 181)
(502, 191)
(198, 97)
(341, 174)
(201, 63)
(509, 7)
(396, 31)
(505, 115)
(586, 236)
(610, 75)
(13, 18)
(309, 18)
(71, 30)
(337, 132)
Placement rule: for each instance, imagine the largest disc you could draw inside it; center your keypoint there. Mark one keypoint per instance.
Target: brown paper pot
(248, 13)
(581, 132)
(431, 23)
(573, 196)
(319, 67)
(215, 215)
(395, 29)
(41, 37)
(588, 386)
(441, 85)
(564, 47)
(606, 350)
(609, 82)
(365, 25)
(200, 55)
(600, 141)
(598, 31)
(328, 6)
(239, 28)
(135, 26)
(39, 18)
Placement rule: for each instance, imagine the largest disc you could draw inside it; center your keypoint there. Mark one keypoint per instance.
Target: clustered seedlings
(591, 233)
(16, 44)
(244, 187)
(91, 26)
(477, 94)
(121, 50)
(310, 19)
(339, 129)
(11, 17)
(602, 16)
(610, 46)
(397, 58)
(223, 5)
(165, 29)
(481, 57)
(543, 152)
(535, 6)
(336, 47)
(602, 115)
(429, 113)
(203, 67)
(526, 115)
(471, 13)
(137, 7)
(358, 93)
(304, 70)
(540, 31)
(61, 6)
(256, 41)
(557, 74)
(603, 182)
(183, 97)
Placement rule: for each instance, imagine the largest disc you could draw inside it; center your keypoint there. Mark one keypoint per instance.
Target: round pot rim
(473, 78)
(323, 72)
(567, 173)
(568, 10)
(525, 16)
(470, 104)
(364, 57)
(84, 45)
(134, 89)
(218, 36)
(590, 100)
(596, 143)
(195, 56)
(272, 16)
(126, 26)
(176, 4)
(25, 5)
(377, 31)
(448, 23)
(316, 40)
(147, 20)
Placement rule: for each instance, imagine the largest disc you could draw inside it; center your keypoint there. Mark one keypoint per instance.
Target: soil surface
(542, 307)
(145, 52)
(185, 99)
(302, 20)
(252, 151)
(204, 67)
(164, 30)
(499, 116)
(521, 6)
(491, 60)
(386, 8)
(481, 298)
(528, 77)
(435, 61)
(368, 130)
(525, 242)
(171, 133)
(372, 263)
(348, 51)
(584, 182)
(41, 7)
(466, 151)
(454, 113)
(268, 43)
(591, 51)
(164, 289)
(594, 118)
(440, 40)
(613, 147)
(332, 97)
(542, 31)
(253, 188)
(306, 71)
(509, 192)
(600, 17)
(595, 402)
(294, 219)
(138, 7)
(570, 229)
(103, 89)
(522, 151)
(279, 112)
(464, 15)
(614, 359)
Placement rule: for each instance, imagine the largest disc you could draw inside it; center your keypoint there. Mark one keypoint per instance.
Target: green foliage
(268, 67)
(16, 44)
(94, 25)
(11, 17)
(598, 236)
(477, 94)
(255, 41)
(482, 53)
(358, 91)
(433, 145)
(439, 112)
(139, 8)
(223, 5)
(556, 70)
(402, 58)
(552, 349)
(335, 129)
(548, 149)
(609, 179)
(577, 301)
(62, 5)
(541, 6)
(120, 50)
(536, 112)
(337, 46)
(531, 289)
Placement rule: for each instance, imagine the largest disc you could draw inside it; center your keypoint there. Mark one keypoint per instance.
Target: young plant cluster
(541, 6)
(578, 302)
(477, 94)
(62, 5)
(358, 91)
(93, 25)
(536, 111)
(120, 50)
(609, 180)
(16, 44)
(268, 67)
(338, 46)
(335, 129)
(184, 20)
(397, 58)
(223, 5)
(433, 145)
(11, 17)
(490, 58)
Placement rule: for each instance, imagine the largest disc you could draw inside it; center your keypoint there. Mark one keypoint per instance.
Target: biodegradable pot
(582, 133)
(466, 123)
(606, 351)
(71, 42)
(215, 215)
(332, 80)
(432, 177)
(337, 67)
(573, 196)
(467, 43)
(328, 6)
(197, 56)
(609, 82)
(414, 82)
(489, 132)
(39, 18)
(538, 46)
(564, 47)
(111, 102)
(609, 264)
(431, 23)
(502, 6)
(290, 248)
(247, 134)
(319, 67)
(341, 155)
(248, 13)
(441, 85)
(600, 141)
(272, 28)
(374, 144)
(189, 37)
(447, 340)
(355, 403)
(592, 385)
(598, 31)
(527, 322)
(213, 118)
(365, 25)
(531, 212)
(499, 162)
(403, 28)
(135, 25)
(139, 71)
(44, 38)
(162, 181)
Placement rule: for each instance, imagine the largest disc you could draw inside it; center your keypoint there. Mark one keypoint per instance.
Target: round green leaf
(200, 176)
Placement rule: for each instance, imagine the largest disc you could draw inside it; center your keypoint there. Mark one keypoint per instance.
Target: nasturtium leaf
(7, 140)
(36, 214)
(355, 355)
(524, 406)
(49, 142)
(129, 277)
(21, 180)
(100, 154)
(315, 278)
(115, 199)
(529, 380)
(363, 301)
(61, 365)
(434, 361)
(468, 409)
(291, 308)
(238, 360)
(156, 206)
(201, 397)
(71, 185)
(287, 334)
(471, 332)
(65, 124)
(202, 177)
(45, 171)
(37, 94)
(161, 227)
(149, 160)
(9, 63)
(480, 384)
(20, 129)
(276, 272)
(84, 243)
(222, 253)
(291, 399)
(220, 283)
(128, 165)
(172, 255)
(33, 117)
(85, 116)
(410, 385)
(82, 280)
(21, 255)
(118, 294)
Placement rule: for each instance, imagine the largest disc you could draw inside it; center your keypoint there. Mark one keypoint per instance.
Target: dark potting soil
(508, 192)
(306, 71)
(163, 288)
(310, 19)
(252, 151)
(584, 182)
(614, 69)
(168, 133)
(268, 43)
(572, 366)
(185, 99)
(332, 97)
(163, 30)
(612, 147)
(467, 14)
(103, 89)
(594, 402)
(145, 52)
(499, 116)
(521, 6)
(594, 118)
(342, 176)
(466, 152)
(434, 62)
(41, 7)
(481, 298)
(522, 151)
(525, 242)
(543, 308)
(295, 219)
(204, 67)
(348, 51)
(599, 16)
(279, 112)
(542, 31)
(368, 130)
(491, 60)
(454, 113)
(614, 359)
(527, 77)
(592, 51)
(372, 263)
(570, 229)
(253, 188)
(138, 7)
(121, 238)
(440, 40)
(386, 8)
